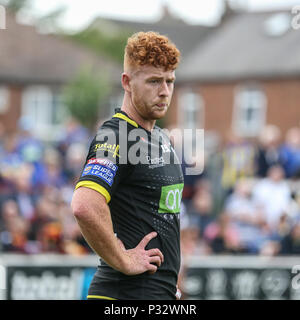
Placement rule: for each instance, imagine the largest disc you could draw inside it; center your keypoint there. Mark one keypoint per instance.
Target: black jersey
(140, 176)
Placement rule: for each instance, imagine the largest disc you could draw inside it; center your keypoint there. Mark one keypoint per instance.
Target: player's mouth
(162, 105)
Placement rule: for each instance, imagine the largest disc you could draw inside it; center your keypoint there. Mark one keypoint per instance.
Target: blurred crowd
(246, 201)
(36, 186)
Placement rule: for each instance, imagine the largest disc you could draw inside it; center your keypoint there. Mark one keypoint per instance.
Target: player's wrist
(125, 263)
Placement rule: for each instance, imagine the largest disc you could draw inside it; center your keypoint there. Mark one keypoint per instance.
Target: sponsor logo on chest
(170, 198)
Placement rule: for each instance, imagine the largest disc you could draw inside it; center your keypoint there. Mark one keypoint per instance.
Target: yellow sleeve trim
(100, 297)
(122, 116)
(95, 186)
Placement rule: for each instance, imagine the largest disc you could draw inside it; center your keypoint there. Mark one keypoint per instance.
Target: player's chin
(159, 113)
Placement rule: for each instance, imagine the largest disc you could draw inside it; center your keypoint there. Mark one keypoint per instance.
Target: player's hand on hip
(140, 260)
(178, 293)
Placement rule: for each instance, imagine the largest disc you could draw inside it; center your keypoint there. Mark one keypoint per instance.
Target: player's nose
(164, 89)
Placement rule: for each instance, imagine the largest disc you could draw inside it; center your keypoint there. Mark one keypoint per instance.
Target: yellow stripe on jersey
(95, 186)
(100, 297)
(122, 116)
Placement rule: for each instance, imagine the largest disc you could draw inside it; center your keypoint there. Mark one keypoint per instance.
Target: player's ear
(126, 81)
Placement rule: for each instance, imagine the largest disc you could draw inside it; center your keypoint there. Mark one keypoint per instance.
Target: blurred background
(239, 80)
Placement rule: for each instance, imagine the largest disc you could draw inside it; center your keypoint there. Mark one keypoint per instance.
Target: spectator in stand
(13, 228)
(23, 192)
(290, 153)
(46, 230)
(201, 208)
(221, 236)
(290, 244)
(51, 172)
(74, 133)
(74, 157)
(29, 147)
(238, 161)
(272, 196)
(10, 162)
(2, 138)
(268, 150)
(294, 209)
(10, 158)
(246, 218)
(51, 238)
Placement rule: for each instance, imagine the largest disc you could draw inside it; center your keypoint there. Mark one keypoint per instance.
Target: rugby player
(128, 211)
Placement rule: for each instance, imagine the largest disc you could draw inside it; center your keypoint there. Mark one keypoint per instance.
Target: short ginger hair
(150, 49)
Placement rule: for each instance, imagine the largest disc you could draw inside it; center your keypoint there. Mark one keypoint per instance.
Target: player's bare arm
(93, 216)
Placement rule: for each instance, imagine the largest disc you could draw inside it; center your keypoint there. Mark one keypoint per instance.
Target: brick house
(33, 69)
(245, 75)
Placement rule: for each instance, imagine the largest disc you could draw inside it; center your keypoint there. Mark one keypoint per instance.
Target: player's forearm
(96, 227)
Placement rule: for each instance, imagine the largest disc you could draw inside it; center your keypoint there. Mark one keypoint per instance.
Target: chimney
(227, 12)
(233, 7)
(167, 17)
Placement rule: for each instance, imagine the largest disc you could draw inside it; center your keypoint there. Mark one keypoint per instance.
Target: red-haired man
(128, 211)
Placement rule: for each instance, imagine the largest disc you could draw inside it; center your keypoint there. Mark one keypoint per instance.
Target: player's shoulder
(108, 129)
(118, 123)
(112, 123)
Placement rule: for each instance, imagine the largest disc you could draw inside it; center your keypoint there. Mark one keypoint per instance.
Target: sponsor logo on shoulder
(101, 168)
(104, 162)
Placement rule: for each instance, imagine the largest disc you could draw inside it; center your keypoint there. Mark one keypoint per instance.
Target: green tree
(85, 95)
(103, 44)
(15, 5)
(48, 22)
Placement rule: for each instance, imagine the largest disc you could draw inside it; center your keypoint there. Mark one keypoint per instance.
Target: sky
(80, 13)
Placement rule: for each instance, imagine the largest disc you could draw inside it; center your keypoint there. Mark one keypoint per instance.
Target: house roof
(27, 56)
(185, 36)
(248, 45)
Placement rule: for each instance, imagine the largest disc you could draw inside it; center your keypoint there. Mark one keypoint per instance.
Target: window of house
(192, 107)
(4, 99)
(2, 18)
(43, 106)
(58, 111)
(249, 111)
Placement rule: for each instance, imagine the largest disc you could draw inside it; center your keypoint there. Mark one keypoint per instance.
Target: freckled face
(151, 91)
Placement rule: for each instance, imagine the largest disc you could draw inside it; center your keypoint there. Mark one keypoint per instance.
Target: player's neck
(134, 115)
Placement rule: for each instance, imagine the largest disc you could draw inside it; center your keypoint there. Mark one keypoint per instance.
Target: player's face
(151, 91)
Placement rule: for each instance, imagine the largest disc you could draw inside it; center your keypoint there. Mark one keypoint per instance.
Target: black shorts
(133, 288)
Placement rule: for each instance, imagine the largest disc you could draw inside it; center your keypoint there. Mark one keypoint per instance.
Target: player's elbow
(78, 213)
(79, 209)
